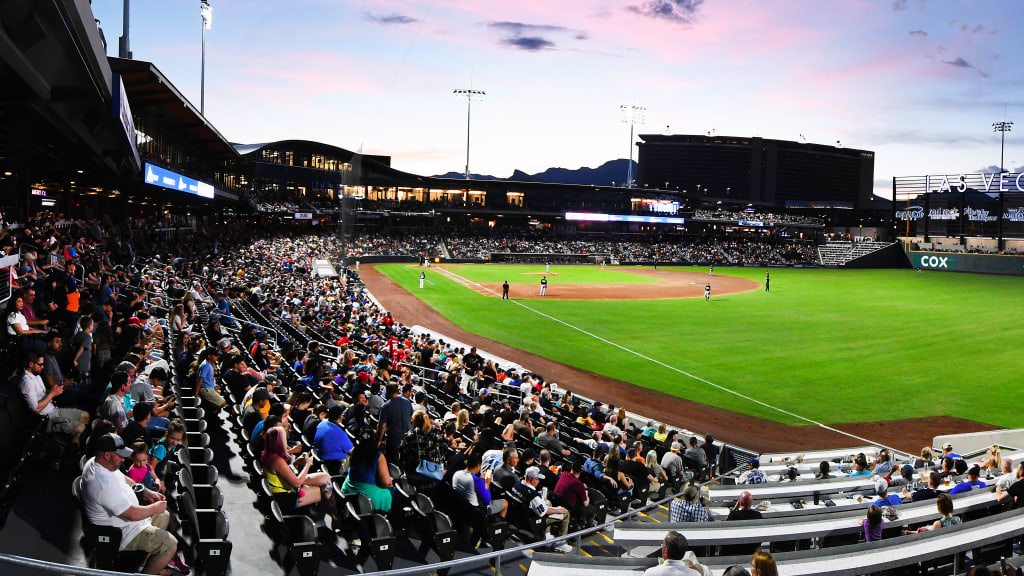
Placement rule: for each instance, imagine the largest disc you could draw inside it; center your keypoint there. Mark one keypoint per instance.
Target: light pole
(1002, 127)
(469, 95)
(633, 115)
(207, 13)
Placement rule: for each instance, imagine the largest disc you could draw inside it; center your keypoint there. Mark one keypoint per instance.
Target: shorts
(64, 421)
(155, 539)
(211, 396)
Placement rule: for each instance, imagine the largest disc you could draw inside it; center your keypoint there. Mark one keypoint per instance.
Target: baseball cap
(676, 447)
(947, 446)
(113, 443)
(532, 473)
(755, 463)
(907, 470)
(881, 487)
(335, 412)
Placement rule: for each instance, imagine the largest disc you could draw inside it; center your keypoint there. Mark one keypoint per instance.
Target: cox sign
(937, 262)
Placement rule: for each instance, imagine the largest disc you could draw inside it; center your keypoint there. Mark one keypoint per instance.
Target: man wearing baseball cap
(947, 452)
(971, 483)
(109, 500)
(556, 517)
(206, 385)
(753, 475)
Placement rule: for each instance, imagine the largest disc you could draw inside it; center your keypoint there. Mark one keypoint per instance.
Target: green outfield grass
(832, 345)
(531, 274)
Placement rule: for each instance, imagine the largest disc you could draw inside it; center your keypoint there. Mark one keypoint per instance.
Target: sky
(919, 82)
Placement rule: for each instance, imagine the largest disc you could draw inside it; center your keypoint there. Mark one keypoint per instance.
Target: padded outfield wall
(960, 262)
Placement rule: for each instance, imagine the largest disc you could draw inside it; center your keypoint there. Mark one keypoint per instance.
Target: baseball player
(423, 278)
(711, 272)
(766, 279)
(707, 292)
(504, 290)
(543, 285)
(547, 267)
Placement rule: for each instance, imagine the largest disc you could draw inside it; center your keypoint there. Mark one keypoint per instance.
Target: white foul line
(469, 283)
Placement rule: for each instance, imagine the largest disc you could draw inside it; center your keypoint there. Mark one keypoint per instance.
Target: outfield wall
(959, 262)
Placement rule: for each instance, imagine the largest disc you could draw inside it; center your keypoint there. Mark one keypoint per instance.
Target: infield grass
(831, 345)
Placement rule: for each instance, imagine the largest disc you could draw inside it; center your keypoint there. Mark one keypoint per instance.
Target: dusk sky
(919, 82)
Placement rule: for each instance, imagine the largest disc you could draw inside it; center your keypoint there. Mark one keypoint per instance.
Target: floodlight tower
(206, 11)
(634, 115)
(1002, 127)
(469, 95)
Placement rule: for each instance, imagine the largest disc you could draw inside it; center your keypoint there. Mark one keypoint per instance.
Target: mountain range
(611, 173)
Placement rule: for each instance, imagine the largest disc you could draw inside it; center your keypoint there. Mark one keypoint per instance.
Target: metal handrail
(498, 554)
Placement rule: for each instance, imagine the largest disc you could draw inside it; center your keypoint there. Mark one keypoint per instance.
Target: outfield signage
(171, 180)
(1014, 214)
(303, 215)
(914, 213)
(986, 263)
(600, 217)
(1001, 182)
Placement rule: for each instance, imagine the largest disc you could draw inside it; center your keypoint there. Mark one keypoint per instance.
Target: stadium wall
(959, 262)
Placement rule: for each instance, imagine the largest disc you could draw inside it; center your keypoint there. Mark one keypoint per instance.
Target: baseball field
(834, 346)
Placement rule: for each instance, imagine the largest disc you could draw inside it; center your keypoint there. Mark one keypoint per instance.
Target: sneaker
(178, 563)
(564, 548)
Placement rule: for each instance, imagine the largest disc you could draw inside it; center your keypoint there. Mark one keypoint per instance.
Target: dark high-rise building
(772, 172)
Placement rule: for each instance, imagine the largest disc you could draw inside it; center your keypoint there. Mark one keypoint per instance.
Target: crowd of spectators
(722, 215)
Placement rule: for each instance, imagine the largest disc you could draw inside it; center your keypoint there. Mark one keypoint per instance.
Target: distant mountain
(613, 171)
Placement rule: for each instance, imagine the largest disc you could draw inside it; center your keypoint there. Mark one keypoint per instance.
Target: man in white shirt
(673, 549)
(109, 500)
(70, 421)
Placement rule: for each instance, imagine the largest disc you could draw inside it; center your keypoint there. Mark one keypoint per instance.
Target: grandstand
(205, 299)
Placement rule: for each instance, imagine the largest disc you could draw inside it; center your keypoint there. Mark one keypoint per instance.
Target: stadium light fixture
(634, 115)
(1002, 127)
(206, 11)
(469, 95)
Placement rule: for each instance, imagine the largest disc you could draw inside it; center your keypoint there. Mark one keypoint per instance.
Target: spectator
(884, 498)
(905, 478)
(476, 490)
(710, 453)
(135, 431)
(18, 327)
(926, 493)
(860, 468)
(883, 466)
(424, 443)
(556, 517)
(395, 421)
(39, 399)
(572, 492)
(505, 475)
(548, 439)
(735, 570)
(108, 500)
(332, 442)
(948, 468)
(672, 463)
(368, 472)
(695, 456)
(307, 488)
(823, 470)
(635, 467)
(945, 505)
(659, 474)
(167, 446)
(82, 347)
(753, 475)
(743, 510)
(993, 459)
(763, 564)
(1015, 493)
(971, 483)
(688, 509)
(947, 452)
(140, 471)
(673, 549)
(873, 524)
(206, 386)
(1003, 481)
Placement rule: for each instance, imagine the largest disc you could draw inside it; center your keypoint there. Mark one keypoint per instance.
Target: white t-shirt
(106, 495)
(16, 318)
(462, 482)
